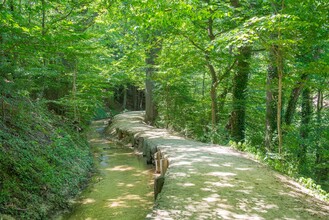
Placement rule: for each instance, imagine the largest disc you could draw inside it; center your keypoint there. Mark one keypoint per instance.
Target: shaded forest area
(253, 74)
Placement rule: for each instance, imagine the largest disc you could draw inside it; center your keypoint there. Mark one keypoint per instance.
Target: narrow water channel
(123, 188)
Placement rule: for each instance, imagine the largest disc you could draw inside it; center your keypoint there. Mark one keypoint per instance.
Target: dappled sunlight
(181, 163)
(121, 184)
(245, 191)
(219, 184)
(214, 165)
(186, 184)
(127, 201)
(227, 164)
(221, 174)
(289, 193)
(243, 169)
(99, 142)
(122, 190)
(141, 173)
(206, 181)
(208, 189)
(255, 204)
(88, 201)
(121, 168)
(122, 154)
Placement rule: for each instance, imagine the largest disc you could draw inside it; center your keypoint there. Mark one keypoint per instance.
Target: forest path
(207, 181)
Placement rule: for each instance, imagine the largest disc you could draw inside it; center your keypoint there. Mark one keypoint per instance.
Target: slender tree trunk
(43, 27)
(74, 92)
(141, 100)
(240, 83)
(305, 124)
(150, 106)
(279, 106)
(203, 84)
(271, 101)
(124, 102)
(213, 74)
(43, 22)
(222, 99)
(213, 94)
(320, 172)
(292, 103)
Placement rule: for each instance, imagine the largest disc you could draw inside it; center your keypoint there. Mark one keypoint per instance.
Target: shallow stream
(123, 188)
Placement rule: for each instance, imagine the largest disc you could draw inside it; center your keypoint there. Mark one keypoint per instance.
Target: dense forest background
(250, 73)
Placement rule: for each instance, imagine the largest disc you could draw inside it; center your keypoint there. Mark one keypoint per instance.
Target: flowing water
(122, 190)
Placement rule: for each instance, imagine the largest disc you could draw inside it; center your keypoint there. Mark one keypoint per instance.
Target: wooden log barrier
(163, 166)
(158, 184)
(157, 158)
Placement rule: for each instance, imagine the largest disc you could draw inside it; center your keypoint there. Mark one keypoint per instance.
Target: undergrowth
(285, 164)
(43, 161)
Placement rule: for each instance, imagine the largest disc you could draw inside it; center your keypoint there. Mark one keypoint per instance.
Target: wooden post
(157, 158)
(163, 166)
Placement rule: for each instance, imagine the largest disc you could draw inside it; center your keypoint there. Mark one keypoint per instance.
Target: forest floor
(206, 181)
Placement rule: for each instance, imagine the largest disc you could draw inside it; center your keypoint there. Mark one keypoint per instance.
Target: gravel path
(207, 181)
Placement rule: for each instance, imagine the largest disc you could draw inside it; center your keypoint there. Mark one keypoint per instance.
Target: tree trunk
(214, 107)
(141, 100)
(292, 103)
(271, 101)
(124, 102)
(279, 59)
(240, 83)
(304, 127)
(135, 97)
(43, 22)
(320, 172)
(222, 98)
(214, 78)
(74, 92)
(150, 107)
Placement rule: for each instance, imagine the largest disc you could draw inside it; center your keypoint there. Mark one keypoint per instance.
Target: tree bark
(271, 101)
(43, 22)
(124, 102)
(213, 93)
(304, 127)
(279, 59)
(150, 106)
(74, 92)
(213, 74)
(240, 83)
(320, 171)
(292, 103)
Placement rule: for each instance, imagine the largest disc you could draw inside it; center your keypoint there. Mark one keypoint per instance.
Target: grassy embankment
(43, 161)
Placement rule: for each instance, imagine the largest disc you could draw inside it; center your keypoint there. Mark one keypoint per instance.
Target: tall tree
(240, 83)
(150, 106)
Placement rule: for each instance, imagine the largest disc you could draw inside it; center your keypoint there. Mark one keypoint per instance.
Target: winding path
(207, 181)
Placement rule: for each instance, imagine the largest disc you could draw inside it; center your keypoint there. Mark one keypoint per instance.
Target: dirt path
(206, 181)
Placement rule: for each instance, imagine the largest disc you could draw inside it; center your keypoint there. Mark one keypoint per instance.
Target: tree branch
(228, 70)
(194, 44)
(60, 19)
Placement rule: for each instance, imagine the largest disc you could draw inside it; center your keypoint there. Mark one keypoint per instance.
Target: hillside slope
(43, 161)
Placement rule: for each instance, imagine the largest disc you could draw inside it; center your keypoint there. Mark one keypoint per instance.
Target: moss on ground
(43, 161)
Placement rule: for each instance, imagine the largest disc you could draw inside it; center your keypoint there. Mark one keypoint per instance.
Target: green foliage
(310, 184)
(43, 162)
